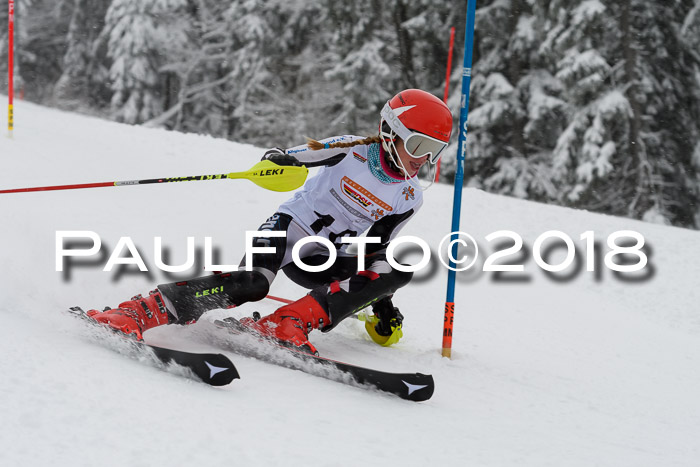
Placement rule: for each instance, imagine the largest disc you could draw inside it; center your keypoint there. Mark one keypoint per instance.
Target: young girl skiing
(364, 183)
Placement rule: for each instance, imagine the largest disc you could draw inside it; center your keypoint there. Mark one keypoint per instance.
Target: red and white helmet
(421, 120)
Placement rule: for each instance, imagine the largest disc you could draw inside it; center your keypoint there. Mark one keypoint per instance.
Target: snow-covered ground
(592, 370)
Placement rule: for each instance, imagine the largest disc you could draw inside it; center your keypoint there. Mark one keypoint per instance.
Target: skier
(364, 183)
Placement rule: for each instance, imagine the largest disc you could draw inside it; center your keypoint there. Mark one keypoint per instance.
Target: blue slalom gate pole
(459, 179)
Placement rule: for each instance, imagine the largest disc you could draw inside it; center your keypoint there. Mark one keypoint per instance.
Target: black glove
(389, 316)
(278, 156)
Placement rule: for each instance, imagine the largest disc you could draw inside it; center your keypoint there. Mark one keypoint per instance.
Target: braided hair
(315, 145)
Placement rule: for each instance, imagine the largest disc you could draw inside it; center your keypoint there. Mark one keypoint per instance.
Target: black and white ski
(411, 386)
(212, 369)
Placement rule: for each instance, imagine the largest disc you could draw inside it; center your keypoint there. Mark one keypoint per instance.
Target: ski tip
(76, 310)
(418, 388)
(219, 371)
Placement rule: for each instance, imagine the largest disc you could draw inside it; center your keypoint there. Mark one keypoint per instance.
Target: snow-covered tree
(690, 33)
(142, 34)
(629, 75)
(84, 71)
(40, 29)
(266, 65)
(361, 58)
(588, 103)
(249, 68)
(585, 103)
(516, 106)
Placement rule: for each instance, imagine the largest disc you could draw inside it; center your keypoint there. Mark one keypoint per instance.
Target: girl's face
(411, 164)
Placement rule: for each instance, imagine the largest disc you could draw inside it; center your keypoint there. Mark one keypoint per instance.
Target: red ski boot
(291, 324)
(135, 316)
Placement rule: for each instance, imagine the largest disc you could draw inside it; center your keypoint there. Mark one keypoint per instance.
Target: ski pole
(265, 174)
(280, 299)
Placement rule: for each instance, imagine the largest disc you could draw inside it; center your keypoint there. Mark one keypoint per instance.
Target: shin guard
(342, 299)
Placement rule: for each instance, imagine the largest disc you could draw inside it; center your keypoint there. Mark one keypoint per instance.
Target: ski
(410, 386)
(212, 369)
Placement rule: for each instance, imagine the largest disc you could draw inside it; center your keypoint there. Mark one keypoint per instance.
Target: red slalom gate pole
(449, 64)
(447, 86)
(11, 66)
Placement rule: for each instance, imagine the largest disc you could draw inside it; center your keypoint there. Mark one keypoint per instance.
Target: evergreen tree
(40, 29)
(362, 59)
(584, 103)
(141, 35)
(517, 109)
(588, 104)
(247, 74)
(627, 149)
(199, 67)
(690, 34)
(84, 74)
(267, 66)
(402, 44)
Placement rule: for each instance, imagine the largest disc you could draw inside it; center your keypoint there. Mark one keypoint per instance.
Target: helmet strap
(392, 158)
(416, 182)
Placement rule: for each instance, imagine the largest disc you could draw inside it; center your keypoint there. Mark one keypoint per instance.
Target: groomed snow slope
(586, 371)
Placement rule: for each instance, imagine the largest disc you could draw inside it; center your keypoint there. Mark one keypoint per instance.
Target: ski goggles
(417, 145)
